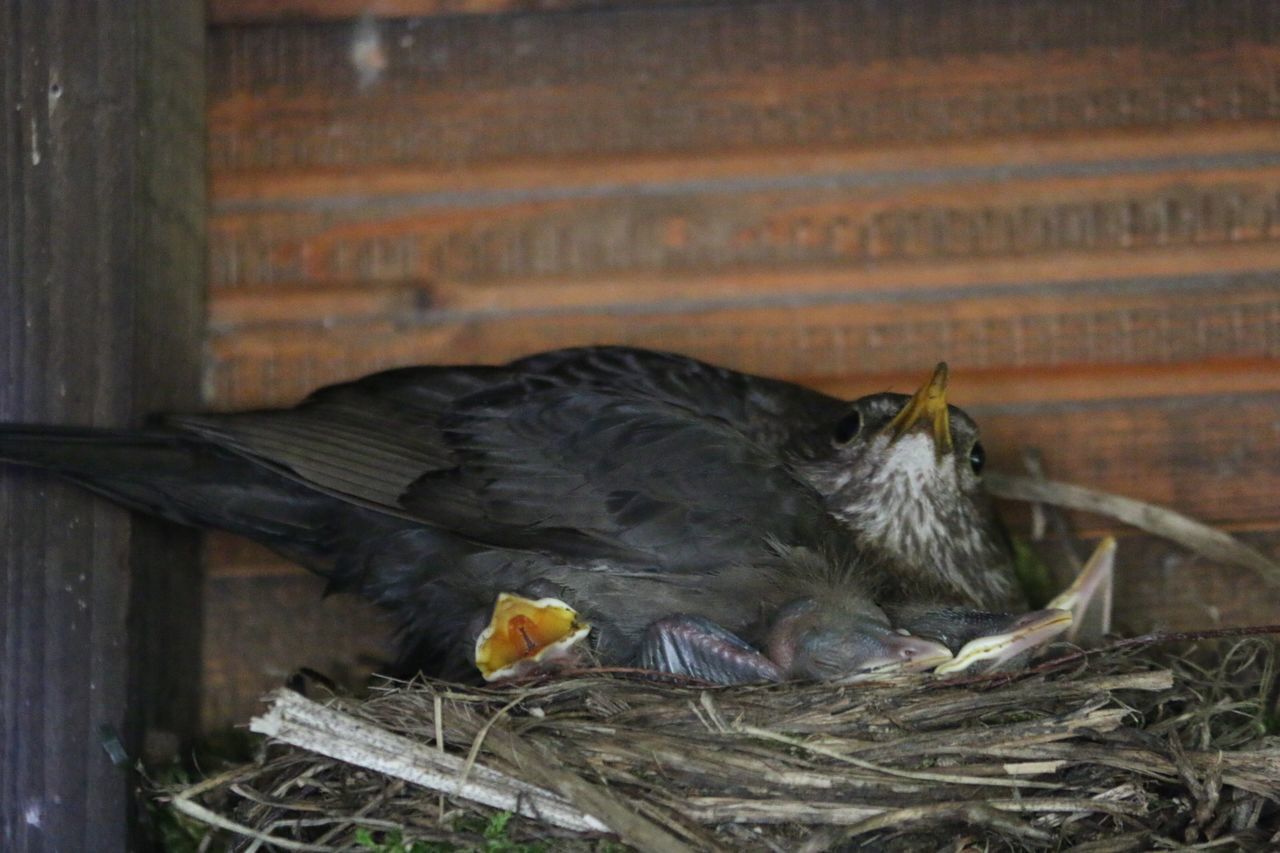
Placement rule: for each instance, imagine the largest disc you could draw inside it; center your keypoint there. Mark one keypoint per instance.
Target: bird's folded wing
(768, 411)
(365, 440)
(591, 471)
(521, 460)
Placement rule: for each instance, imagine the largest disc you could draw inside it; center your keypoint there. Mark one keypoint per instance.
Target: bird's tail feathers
(86, 451)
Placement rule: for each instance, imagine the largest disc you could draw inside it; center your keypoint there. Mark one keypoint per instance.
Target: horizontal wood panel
(259, 630)
(1159, 586)
(1066, 154)
(820, 339)
(1002, 386)
(328, 304)
(258, 11)
(667, 44)
(704, 227)
(1216, 458)
(1159, 22)
(734, 76)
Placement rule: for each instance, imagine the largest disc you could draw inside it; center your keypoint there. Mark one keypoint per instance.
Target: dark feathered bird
(913, 491)
(705, 521)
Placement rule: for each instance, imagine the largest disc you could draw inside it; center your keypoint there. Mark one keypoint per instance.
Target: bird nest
(1149, 743)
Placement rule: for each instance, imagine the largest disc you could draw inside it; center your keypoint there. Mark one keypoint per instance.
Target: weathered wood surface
(101, 275)
(724, 77)
(1044, 237)
(258, 11)
(260, 630)
(1076, 204)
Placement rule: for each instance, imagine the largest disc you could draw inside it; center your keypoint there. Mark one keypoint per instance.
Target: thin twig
(1206, 541)
(192, 809)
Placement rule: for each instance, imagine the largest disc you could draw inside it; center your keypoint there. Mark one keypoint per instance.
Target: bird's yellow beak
(929, 402)
(523, 633)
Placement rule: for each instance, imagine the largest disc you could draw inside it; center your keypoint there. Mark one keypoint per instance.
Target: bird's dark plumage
(641, 484)
(943, 536)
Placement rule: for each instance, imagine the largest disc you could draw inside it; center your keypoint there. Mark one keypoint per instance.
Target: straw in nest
(1132, 748)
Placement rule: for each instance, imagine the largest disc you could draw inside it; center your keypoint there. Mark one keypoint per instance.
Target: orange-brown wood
(235, 308)
(822, 340)
(727, 77)
(261, 630)
(1074, 150)
(995, 228)
(1005, 386)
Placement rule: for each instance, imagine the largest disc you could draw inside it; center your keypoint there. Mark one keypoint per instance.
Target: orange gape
(523, 632)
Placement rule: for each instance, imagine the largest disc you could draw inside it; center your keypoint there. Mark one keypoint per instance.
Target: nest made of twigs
(1143, 745)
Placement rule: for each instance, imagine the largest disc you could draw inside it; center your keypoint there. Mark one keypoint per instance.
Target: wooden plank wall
(1076, 204)
(102, 261)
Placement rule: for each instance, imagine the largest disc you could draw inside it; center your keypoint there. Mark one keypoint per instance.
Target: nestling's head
(845, 639)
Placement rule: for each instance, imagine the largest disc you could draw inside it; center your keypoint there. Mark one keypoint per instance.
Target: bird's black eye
(977, 457)
(847, 428)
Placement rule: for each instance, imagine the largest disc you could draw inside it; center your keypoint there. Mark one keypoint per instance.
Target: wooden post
(101, 281)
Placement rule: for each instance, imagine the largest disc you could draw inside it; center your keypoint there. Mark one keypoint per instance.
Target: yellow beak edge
(930, 402)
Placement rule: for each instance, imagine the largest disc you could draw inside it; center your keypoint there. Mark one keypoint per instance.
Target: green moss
(393, 842)
(494, 832)
(172, 831)
(1033, 574)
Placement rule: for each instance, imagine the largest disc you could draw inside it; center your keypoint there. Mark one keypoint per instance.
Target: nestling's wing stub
(697, 647)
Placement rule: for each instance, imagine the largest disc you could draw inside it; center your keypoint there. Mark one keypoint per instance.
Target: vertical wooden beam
(101, 282)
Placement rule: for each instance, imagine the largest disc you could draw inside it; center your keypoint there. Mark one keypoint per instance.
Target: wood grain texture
(258, 11)
(1071, 153)
(101, 259)
(1214, 457)
(262, 629)
(741, 225)
(456, 91)
(1180, 321)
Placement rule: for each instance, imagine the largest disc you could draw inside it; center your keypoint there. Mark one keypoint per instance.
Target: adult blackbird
(901, 473)
(706, 522)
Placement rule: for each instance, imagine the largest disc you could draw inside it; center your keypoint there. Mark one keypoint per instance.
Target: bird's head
(904, 472)
(844, 639)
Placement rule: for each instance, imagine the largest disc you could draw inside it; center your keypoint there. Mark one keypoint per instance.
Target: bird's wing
(592, 471)
(369, 439)
(366, 440)
(769, 411)
(541, 460)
